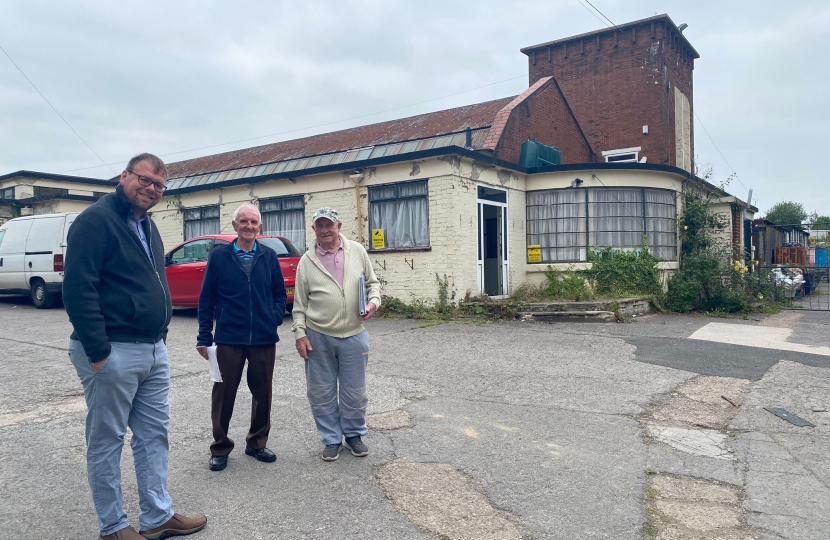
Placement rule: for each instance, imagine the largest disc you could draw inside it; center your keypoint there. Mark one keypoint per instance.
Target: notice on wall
(534, 254)
(377, 239)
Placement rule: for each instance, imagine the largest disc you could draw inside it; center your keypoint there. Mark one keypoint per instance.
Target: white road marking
(755, 336)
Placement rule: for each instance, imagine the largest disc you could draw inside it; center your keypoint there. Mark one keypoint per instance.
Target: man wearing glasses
(115, 293)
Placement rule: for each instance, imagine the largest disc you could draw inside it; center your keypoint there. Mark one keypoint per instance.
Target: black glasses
(144, 181)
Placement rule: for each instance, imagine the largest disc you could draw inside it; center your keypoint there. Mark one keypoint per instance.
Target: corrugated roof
(424, 126)
(345, 156)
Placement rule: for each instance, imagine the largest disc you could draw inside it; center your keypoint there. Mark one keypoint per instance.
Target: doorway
(492, 241)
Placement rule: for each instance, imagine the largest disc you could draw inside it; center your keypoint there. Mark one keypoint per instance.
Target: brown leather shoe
(178, 525)
(127, 533)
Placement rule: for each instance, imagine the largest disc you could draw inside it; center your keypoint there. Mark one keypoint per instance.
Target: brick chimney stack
(629, 87)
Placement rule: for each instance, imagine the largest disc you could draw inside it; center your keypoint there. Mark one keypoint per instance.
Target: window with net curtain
(284, 216)
(401, 211)
(567, 222)
(556, 223)
(201, 221)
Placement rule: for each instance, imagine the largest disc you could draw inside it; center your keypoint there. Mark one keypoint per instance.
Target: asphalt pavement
(477, 430)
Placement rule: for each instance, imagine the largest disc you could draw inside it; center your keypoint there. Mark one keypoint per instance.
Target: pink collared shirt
(333, 262)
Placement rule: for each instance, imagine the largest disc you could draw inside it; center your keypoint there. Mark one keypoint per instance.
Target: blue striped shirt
(137, 225)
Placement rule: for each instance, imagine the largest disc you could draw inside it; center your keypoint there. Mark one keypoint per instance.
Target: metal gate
(806, 287)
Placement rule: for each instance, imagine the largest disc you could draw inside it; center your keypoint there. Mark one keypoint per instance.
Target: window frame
(645, 218)
(201, 209)
(398, 197)
(3, 191)
(620, 155)
(172, 262)
(282, 209)
(38, 191)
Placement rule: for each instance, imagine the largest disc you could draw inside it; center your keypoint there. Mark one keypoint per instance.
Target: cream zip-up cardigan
(320, 303)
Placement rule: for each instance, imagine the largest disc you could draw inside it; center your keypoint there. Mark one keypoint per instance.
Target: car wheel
(41, 298)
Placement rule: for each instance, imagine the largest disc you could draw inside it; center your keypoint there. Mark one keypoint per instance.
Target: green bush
(704, 283)
(624, 273)
(706, 279)
(568, 285)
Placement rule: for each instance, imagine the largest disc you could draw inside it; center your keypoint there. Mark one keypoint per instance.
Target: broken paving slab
(693, 508)
(699, 403)
(438, 498)
(664, 459)
(700, 442)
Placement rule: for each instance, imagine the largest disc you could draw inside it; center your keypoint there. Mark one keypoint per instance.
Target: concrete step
(590, 305)
(567, 316)
(628, 307)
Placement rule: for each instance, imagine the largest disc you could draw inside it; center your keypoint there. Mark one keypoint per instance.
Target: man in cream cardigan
(330, 334)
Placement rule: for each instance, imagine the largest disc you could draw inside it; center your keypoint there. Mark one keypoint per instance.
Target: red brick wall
(543, 116)
(617, 82)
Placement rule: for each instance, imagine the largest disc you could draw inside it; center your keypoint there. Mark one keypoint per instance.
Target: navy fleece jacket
(246, 309)
(113, 293)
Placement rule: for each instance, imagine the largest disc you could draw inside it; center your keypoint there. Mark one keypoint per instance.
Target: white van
(32, 251)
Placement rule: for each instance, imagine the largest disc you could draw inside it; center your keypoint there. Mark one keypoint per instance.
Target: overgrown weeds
(711, 278)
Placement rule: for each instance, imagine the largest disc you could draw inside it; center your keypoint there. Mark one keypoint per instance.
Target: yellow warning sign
(377, 239)
(534, 254)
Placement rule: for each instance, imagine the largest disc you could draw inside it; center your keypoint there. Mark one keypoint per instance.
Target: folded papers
(215, 374)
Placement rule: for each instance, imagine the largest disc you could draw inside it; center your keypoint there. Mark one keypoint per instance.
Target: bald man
(243, 296)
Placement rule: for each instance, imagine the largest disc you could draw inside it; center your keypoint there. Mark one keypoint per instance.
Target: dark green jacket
(111, 290)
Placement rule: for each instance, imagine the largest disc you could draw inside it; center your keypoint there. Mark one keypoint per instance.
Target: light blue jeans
(330, 361)
(129, 390)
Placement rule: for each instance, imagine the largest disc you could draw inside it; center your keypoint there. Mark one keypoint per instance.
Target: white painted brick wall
(453, 224)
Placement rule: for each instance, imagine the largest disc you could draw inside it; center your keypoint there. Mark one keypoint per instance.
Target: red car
(185, 265)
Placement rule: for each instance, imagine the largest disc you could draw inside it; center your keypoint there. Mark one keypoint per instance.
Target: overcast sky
(174, 77)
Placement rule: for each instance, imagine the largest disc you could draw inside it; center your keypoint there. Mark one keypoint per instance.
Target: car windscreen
(283, 248)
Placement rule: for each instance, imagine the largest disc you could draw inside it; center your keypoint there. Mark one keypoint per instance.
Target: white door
(493, 252)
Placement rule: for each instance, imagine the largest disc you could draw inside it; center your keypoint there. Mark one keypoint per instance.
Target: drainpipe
(356, 178)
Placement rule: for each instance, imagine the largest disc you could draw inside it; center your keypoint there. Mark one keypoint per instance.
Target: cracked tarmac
(504, 430)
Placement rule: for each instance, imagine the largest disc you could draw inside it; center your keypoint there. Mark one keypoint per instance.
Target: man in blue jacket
(116, 296)
(243, 295)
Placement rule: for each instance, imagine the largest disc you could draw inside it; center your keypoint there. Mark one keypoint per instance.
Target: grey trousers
(334, 362)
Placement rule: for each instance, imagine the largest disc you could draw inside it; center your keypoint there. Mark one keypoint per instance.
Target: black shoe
(218, 463)
(357, 446)
(332, 451)
(262, 454)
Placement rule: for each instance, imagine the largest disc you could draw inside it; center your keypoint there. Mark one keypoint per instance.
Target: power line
(721, 154)
(54, 109)
(317, 125)
(591, 11)
(601, 13)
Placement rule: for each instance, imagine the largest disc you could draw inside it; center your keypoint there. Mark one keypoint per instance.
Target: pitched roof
(477, 117)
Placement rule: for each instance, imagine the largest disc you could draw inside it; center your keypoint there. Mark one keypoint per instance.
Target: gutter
(60, 177)
(446, 151)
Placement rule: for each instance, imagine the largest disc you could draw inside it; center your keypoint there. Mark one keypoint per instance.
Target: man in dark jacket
(244, 294)
(116, 296)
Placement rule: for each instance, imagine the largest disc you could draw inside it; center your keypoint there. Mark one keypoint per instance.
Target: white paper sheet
(215, 374)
